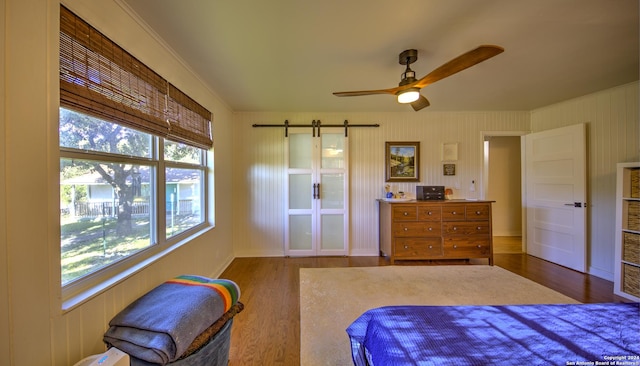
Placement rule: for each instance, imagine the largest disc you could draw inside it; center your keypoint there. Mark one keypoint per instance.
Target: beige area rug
(332, 298)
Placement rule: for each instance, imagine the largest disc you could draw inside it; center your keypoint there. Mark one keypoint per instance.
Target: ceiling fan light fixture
(408, 90)
(409, 95)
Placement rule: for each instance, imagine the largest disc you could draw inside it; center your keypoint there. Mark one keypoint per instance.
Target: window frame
(91, 67)
(79, 290)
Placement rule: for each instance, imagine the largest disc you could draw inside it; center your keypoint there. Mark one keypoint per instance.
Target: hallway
(507, 244)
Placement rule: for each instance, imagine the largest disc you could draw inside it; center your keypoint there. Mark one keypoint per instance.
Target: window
(184, 179)
(132, 158)
(110, 198)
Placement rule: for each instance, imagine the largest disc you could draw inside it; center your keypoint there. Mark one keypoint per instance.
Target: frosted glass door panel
(332, 151)
(332, 191)
(300, 232)
(300, 191)
(316, 194)
(332, 232)
(300, 152)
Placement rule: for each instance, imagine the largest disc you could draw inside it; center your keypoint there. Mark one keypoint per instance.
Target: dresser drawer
(453, 212)
(478, 211)
(418, 248)
(466, 228)
(429, 213)
(405, 213)
(406, 229)
(467, 247)
(435, 230)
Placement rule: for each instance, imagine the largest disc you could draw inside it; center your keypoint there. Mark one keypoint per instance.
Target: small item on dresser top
(472, 192)
(448, 193)
(426, 193)
(387, 191)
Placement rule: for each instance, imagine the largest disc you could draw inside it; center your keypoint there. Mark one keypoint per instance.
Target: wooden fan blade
(459, 63)
(366, 92)
(422, 102)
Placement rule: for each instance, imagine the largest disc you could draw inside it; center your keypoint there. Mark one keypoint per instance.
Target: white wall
(613, 134)
(33, 328)
(259, 163)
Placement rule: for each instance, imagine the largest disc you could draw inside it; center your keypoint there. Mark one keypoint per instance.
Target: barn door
(316, 193)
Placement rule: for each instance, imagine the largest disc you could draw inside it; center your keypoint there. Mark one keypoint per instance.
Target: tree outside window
(110, 198)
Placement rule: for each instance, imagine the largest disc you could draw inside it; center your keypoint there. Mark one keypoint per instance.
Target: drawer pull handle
(453, 213)
(430, 246)
(455, 228)
(406, 247)
(479, 246)
(430, 229)
(455, 247)
(479, 228)
(477, 212)
(405, 213)
(406, 229)
(429, 213)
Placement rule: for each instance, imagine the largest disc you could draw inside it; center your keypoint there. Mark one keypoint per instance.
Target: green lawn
(89, 244)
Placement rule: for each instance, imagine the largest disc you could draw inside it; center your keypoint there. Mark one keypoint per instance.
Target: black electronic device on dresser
(429, 193)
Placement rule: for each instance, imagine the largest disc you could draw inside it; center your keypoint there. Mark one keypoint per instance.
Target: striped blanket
(226, 289)
(159, 326)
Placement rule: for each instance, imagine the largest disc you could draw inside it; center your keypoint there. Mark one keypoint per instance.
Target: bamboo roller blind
(100, 78)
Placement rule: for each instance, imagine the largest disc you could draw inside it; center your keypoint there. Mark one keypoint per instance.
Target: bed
(566, 334)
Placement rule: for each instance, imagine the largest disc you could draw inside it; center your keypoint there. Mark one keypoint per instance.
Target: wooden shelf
(627, 236)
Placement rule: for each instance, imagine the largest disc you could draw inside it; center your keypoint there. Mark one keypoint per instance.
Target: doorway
(502, 183)
(317, 193)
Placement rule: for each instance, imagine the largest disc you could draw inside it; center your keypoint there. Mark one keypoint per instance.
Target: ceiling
(291, 55)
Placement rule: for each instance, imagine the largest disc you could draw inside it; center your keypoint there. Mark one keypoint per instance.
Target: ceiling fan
(408, 91)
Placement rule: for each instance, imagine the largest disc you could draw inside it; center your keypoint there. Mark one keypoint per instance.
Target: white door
(555, 185)
(316, 193)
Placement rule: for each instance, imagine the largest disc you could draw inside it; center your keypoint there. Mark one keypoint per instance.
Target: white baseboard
(364, 253)
(601, 273)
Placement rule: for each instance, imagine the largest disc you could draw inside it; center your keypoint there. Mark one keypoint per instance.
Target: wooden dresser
(430, 230)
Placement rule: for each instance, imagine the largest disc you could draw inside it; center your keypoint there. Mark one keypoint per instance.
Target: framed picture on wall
(450, 151)
(449, 169)
(402, 161)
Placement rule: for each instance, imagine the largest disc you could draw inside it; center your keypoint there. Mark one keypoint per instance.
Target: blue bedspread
(577, 334)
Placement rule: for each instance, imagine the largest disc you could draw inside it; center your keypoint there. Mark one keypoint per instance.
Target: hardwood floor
(267, 332)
